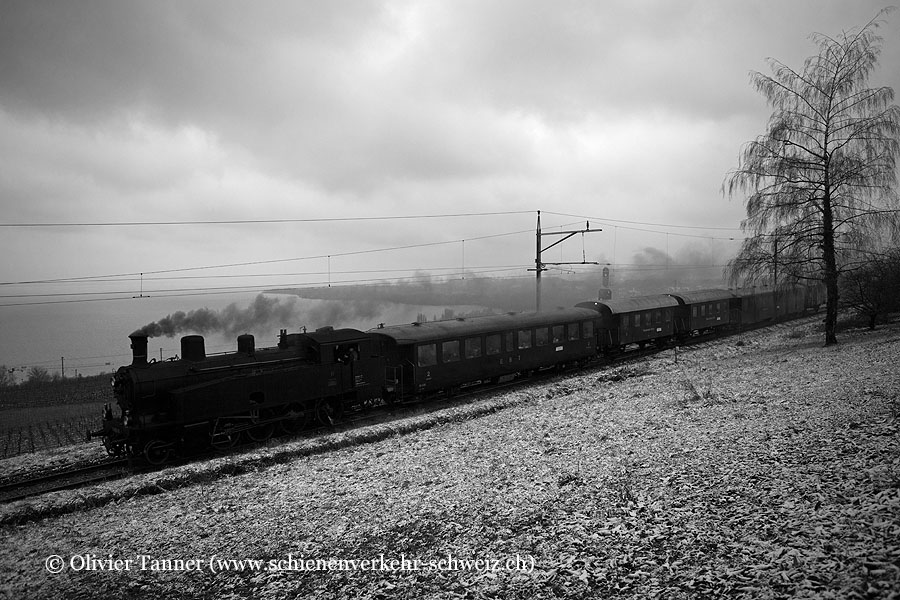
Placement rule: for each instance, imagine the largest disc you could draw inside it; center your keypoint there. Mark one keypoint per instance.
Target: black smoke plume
(264, 314)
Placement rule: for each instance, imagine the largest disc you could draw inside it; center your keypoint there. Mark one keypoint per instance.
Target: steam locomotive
(198, 400)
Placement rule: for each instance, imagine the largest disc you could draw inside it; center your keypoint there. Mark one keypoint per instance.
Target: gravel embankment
(765, 470)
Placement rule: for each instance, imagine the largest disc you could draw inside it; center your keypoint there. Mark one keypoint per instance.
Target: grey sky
(171, 110)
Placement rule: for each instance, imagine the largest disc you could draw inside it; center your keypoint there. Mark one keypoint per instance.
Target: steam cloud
(264, 313)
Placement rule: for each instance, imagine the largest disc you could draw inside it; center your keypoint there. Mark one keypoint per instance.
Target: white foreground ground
(760, 470)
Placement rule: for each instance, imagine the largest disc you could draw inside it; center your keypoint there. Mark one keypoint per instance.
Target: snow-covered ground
(763, 465)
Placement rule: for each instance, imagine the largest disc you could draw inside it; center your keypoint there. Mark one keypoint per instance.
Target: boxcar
(440, 355)
(635, 321)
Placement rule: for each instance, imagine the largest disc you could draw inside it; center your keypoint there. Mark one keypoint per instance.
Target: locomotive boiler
(197, 399)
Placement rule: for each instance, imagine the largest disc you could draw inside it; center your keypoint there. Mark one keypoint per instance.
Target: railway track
(64, 480)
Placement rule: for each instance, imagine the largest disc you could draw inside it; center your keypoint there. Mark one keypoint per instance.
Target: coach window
(426, 355)
(587, 328)
(657, 317)
(492, 344)
(541, 336)
(573, 331)
(473, 347)
(450, 351)
(694, 311)
(702, 310)
(508, 340)
(524, 339)
(559, 333)
(646, 319)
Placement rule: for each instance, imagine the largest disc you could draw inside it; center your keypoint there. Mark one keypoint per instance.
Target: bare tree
(872, 290)
(38, 375)
(823, 173)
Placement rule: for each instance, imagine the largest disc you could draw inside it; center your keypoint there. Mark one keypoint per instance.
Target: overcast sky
(164, 111)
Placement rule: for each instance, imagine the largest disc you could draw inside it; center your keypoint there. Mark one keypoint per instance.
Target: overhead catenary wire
(73, 297)
(344, 254)
(168, 274)
(81, 297)
(265, 221)
(264, 262)
(607, 220)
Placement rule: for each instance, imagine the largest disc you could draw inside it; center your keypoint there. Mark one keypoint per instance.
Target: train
(197, 400)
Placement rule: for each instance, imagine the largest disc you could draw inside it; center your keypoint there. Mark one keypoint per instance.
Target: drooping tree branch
(823, 176)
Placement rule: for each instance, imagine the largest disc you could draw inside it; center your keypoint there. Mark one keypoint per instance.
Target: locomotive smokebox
(192, 348)
(246, 344)
(138, 348)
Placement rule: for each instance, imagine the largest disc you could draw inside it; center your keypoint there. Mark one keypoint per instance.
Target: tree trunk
(831, 274)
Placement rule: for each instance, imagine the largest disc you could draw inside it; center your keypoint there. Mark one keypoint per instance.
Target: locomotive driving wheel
(157, 452)
(262, 432)
(223, 436)
(295, 419)
(328, 411)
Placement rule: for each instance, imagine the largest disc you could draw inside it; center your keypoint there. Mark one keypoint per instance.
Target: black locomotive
(201, 400)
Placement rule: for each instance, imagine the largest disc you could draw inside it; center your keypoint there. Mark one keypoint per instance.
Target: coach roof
(702, 296)
(631, 305)
(469, 326)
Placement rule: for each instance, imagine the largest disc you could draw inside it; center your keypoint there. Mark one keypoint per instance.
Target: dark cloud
(85, 59)
(206, 110)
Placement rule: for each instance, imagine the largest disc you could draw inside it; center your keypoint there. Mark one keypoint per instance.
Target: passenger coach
(702, 310)
(442, 355)
(650, 319)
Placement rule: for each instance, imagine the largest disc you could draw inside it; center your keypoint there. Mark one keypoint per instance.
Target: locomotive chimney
(193, 348)
(138, 348)
(246, 344)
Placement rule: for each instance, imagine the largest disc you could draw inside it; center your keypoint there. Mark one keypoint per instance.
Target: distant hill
(505, 294)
